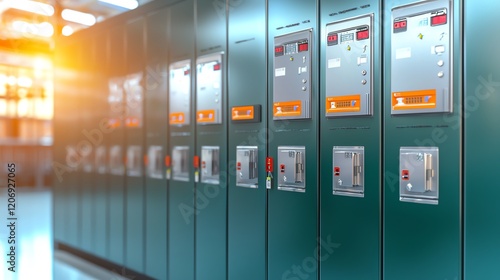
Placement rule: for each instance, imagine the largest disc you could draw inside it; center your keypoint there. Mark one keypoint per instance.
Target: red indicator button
(186, 72)
(217, 67)
(238, 166)
(269, 164)
(362, 35)
(439, 20)
(196, 162)
(405, 175)
(336, 171)
(282, 168)
(168, 161)
(303, 47)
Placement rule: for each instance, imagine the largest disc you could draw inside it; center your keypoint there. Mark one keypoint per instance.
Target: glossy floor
(29, 225)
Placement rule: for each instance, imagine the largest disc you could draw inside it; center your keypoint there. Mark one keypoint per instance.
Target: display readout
(439, 20)
(400, 26)
(303, 47)
(292, 48)
(439, 17)
(347, 37)
(362, 35)
(279, 50)
(332, 39)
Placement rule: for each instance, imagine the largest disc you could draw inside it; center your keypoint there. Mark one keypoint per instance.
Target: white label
(438, 49)
(279, 72)
(362, 60)
(403, 53)
(196, 176)
(268, 183)
(334, 63)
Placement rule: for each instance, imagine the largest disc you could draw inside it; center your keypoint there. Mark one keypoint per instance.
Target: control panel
(210, 164)
(134, 161)
(88, 160)
(421, 52)
(247, 166)
(348, 171)
(180, 93)
(246, 114)
(291, 168)
(419, 181)
(209, 89)
(349, 67)
(115, 102)
(134, 100)
(180, 163)
(101, 160)
(292, 76)
(155, 162)
(116, 166)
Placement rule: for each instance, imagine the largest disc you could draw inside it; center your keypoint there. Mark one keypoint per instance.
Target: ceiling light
(78, 17)
(43, 29)
(127, 4)
(24, 82)
(30, 6)
(12, 80)
(67, 30)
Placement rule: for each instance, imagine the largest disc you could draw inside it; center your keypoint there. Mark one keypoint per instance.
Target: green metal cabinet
(481, 76)
(211, 197)
(116, 142)
(351, 217)
(181, 219)
(156, 129)
(293, 228)
(422, 241)
(247, 203)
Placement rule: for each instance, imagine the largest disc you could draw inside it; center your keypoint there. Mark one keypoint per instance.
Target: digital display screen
(303, 47)
(332, 39)
(400, 26)
(347, 37)
(439, 20)
(362, 35)
(279, 50)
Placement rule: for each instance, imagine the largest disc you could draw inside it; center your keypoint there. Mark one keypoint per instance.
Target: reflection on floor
(69, 267)
(32, 232)
(34, 254)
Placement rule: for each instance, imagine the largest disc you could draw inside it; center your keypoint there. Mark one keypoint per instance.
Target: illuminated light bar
(127, 4)
(24, 82)
(30, 6)
(439, 20)
(67, 30)
(43, 29)
(78, 17)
